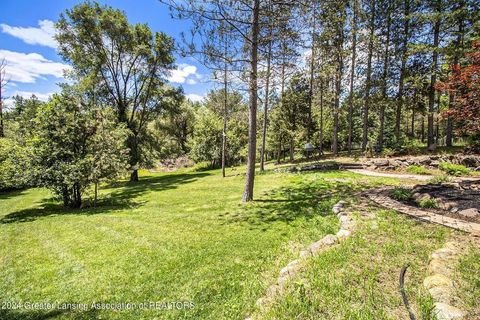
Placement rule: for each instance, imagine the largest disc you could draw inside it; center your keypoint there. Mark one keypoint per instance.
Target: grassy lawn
(184, 236)
(468, 275)
(180, 236)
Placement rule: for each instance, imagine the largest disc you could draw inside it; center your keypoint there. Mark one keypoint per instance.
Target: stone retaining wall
(432, 162)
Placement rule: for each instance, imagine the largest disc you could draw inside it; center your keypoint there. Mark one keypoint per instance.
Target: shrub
(417, 170)
(413, 146)
(14, 163)
(439, 179)
(428, 203)
(401, 194)
(453, 169)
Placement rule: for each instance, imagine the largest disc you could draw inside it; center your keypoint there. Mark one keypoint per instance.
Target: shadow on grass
(305, 199)
(122, 196)
(48, 314)
(5, 195)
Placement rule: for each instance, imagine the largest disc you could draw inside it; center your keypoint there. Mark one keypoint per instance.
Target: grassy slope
(358, 279)
(468, 274)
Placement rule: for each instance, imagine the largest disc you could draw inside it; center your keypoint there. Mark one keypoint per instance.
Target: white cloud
(28, 67)
(194, 97)
(27, 94)
(191, 81)
(42, 35)
(9, 102)
(181, 74)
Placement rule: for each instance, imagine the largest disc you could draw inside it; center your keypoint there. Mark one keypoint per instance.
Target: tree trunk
(369, 76)
(406, 25)
(451, 97)
(2, 131)
(422, 128)
(320, 135)
(412, 132)
(134, 175)
(384, 82)
(252, 115)
(310, 91)
(433, 79)
(352, 77)
(2, 80)
(265, 107)
(96, 194)
(133, 147)
(338, 87)
(225, 111)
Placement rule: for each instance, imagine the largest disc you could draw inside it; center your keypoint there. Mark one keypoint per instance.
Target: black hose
(402, 292)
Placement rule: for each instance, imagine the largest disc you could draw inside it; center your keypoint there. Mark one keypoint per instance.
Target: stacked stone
(439, 283)
(347, 224)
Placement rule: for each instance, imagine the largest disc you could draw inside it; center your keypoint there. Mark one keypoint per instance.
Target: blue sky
(33, 66)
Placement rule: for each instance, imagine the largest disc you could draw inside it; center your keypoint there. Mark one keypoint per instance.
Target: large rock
(469, 213)
(445, 311)
(425, 161)
(444, 254)
(470, 161)
(381, 162)
(437, 280)
(441, 294)
(437, 266)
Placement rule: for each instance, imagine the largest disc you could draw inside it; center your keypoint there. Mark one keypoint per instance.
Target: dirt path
(404, 176)
(390, 175)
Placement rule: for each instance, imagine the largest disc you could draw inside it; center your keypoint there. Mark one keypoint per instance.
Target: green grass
(184, 236)
(468, 272)
(181, 236)
(418, 170)
(453, 169)
(359, 279)
(430, 203)
(401, 194)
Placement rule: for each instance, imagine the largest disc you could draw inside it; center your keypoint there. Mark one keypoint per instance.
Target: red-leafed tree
(463, 85)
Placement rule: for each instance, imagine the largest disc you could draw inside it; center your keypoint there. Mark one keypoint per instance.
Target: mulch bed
(465, 195)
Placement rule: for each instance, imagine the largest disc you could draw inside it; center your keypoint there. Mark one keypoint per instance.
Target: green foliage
(174, 129)
(401, 194)
(428, 203)
(124, 64)
(439, 179)
(207, 137)
(14, 163)
(453, 169)
(74, 145)
(415, 169)
(412, 146)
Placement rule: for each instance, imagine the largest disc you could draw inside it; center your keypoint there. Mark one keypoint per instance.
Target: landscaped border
(380, 197)
(347, 225)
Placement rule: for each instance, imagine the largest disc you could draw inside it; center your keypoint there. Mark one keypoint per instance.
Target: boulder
(441, 294)
(469, 213)
(425, 161)
(437, 280)
(437, 266)
(444, 254)
(343, 233)
(453, 185)
(445, 311)
(329, 240)
(470, 161)
(381, 162)
(449, 205)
